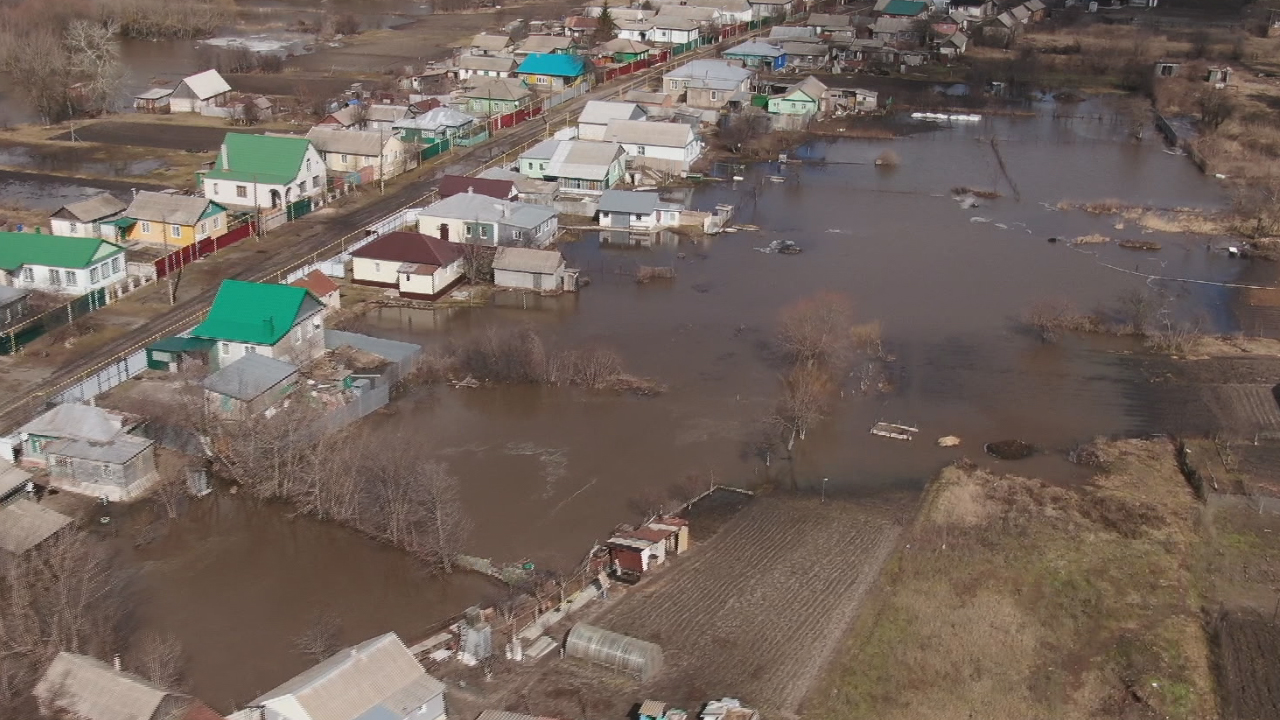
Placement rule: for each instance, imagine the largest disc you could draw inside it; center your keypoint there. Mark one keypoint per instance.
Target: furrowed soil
(1014, 598)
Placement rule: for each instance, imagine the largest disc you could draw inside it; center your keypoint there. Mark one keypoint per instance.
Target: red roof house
(418, 266)
(320, 285)
(451, 185)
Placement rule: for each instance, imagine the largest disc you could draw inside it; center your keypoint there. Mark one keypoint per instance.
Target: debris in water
(894, 430)
(888, 158)
(979, 220)
(783, 247)
(1053, 239)
(1002, 226)
(968, 202)
(1139, 245)
(777, 178)
(467, 382)
(948, 441)
(1010, 449)
(738, 178)
(1091, 239)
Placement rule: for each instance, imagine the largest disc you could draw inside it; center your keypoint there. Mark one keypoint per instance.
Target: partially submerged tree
(321, 638)
(818, 330)
(158, 657)
(806, 397)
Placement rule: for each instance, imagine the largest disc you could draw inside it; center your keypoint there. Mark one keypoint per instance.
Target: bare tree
(158, 657)
(477, 262)
(1256, 207)
(742, 128)
(321, 638)
(41, 72)
(805, 399)
(95, 62)
(446, 525)
(359, 115)
(818, 330)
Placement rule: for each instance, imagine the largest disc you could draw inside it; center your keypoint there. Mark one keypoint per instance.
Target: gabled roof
(91, 689)
(98, 207)
(257, 313)
(634, 25)
(403, 246)
(669, 22)
(687, 12)
(264, 159)
(249, 377)
(638, 132)
(358, 679)
(581, 22)
(490, 43)
(623, 45)
(522, 183)
(489, 64)
(436, 119)
(156, 93)
(60, 251)
(906, 8)
(492, 88)
(528, 260)
(453, 184)
(1021, 13)
(754, 48)
(957, 40)
(1034, 5)
(545, 43)
(788, 32)
(80, 422)
(710, 74)
(479, 208)
(207, 84)
(316, 283)
(583, 160)
(812, 88)
(365, 143)
(804, 48)
(25, 524)
(600, 112)
(824, 20)
(725, 6)
(543, 150)
(886, 24)
(568, 66)
(627, 201)
(171, 208)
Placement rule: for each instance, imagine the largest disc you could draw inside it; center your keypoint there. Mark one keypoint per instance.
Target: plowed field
(1248, 666)
(757, 611)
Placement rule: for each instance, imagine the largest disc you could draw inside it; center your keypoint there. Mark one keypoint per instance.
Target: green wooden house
(497, 96)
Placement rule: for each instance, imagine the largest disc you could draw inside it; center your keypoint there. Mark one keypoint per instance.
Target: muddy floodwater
(545, 471)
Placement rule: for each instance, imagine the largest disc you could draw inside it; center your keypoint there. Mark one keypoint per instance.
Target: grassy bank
(1014, 598)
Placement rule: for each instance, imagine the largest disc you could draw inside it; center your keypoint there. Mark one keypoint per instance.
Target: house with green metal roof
(60, 264)
(551, 72)
(284, 322)
(905, 8)
(264, 171)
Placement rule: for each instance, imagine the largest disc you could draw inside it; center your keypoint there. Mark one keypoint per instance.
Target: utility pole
(824, 490)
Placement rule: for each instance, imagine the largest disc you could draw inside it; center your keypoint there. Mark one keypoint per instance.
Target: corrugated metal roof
(207, 84)
(411, 247)
(12, 478)
(24, 525)
(80, 422)
(583, 159)
(355, 679)
(168, 208)
(453, 184)
(600, 112)
(59, 251)
(906, 8)
(436, 119)
(154, 94)
(689, 12)
(623, 45)
(545, 43)
(268, 159)
(259, 313)
(567, 66)
(491, 64)
(668, 22)
(636, 132)
(543, 150)
(710, 74)
(625, 201)
(118, 450)
(94, 209)
(528, 260)
(317, 283)
(365, 143)
(825, 20)
(491, 88)
(508, 715)
(479, 208)
(804, 48)
(89, 688)
(787, 32)
(249, 377)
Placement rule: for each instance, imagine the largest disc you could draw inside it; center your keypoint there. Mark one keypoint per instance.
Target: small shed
(529, 269)
(677, 533)
(14, 305)
(119, 469)
(615, 650)
(172, 354)
(13, 481)
(153, 100)
(322, 286)
(24, 525)
(248, 386)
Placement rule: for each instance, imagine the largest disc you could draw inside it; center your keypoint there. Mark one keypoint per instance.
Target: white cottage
(265, 171)
(54, 263)
(416, 265)
(90, 218)
(200, 91)
(671, 146)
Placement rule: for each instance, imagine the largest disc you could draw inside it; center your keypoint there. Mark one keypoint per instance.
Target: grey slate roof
(355, 680)
(12, 478)
(207, 84)
(523, 183)
(392, 350)
(623, 45)
(515, 259)
(11, 294)
(636, 132)
(491, 64)
(167, 208)
(804, 48)
(155, 93)
(544, 44)
(117, 451)
(600, 112)
(98, 207)
(365, 143)
(754, 48)
(506, 715)
(24, 525)
(624, 201)
(79, 422)
(249, 377)
(543, 150)
(824, 20)
(712, 74)
(490, 43)
(469, 206)
(435, 119)
(89, 688)
(492, 88)
(788, 32)
(670, 22)
(583, 159)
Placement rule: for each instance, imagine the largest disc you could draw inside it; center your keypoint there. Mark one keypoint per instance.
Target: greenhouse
(620, 652)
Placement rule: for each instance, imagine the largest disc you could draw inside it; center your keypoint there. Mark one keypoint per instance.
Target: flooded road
(236, 581)
(549, 470)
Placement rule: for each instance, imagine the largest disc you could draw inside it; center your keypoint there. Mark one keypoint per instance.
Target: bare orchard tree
(95, 62)
(818, 331)
(41, 72)
(446, 525)
(477, 262)
(742, 128)
(158, 657)
(321, 638)
(804, 402)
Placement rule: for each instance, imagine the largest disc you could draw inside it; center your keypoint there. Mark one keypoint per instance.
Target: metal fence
(18, 336)
(363, 404)
(105, 379)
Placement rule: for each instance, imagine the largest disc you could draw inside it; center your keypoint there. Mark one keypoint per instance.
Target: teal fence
(22, 333)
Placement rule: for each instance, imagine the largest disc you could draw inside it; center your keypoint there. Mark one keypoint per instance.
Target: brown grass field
(1013, 598)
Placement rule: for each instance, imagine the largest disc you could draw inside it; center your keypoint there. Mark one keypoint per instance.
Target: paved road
(308, 236)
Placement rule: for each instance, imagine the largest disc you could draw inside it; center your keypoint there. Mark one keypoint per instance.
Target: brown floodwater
(545, 471)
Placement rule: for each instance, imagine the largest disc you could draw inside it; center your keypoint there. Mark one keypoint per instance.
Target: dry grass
(1018, 599)
(1091, 239)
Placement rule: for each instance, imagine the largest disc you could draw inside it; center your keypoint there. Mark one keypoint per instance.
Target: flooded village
(725, 359)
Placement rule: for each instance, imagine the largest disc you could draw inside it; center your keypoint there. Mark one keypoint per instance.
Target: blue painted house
(758, 55)
(552, 72)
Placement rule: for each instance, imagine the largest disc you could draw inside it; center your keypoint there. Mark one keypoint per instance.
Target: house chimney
(471, 190)
(115, 662)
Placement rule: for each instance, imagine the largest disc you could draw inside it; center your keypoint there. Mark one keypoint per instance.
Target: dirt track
(757, 612)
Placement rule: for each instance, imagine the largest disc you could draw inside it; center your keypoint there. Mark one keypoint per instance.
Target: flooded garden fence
(183, 256)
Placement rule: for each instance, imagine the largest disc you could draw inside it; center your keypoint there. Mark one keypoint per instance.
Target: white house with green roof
(264, 171)
(55, 263)
(283, 322)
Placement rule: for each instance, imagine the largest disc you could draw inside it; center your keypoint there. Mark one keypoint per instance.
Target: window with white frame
(115, 265)
(176, 230)
(28, 275)
(204, 227)
(71, 278)
(144, 226)
(217, 222)
(73, 227)
(242, 191)
(93, 275)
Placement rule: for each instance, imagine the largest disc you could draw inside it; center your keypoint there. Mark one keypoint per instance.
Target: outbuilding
(630, 209)
(530, 269)
(94, 217)
(122, 468)
(248, 386)
(197, 92)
